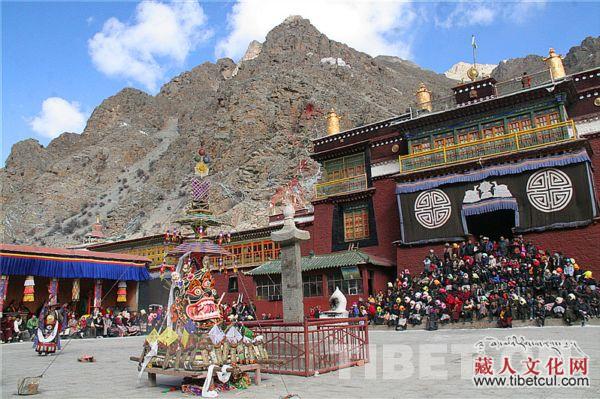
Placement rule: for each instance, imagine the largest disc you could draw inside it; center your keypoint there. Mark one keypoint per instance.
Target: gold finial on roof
(97, 218)
(472, 73)
(333, 122)
(423, 97)
(555, 64)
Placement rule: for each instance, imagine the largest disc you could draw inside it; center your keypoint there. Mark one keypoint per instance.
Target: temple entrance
(492, 224)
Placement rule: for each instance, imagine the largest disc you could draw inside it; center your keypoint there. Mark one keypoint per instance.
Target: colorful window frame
(356, 223)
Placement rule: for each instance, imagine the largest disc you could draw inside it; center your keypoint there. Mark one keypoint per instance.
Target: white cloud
(58, 116)
(375, 27)
(520, 12)
(161, 36)
(468, 13)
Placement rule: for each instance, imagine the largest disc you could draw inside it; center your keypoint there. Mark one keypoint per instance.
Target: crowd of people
(498, 281)
(18, 325)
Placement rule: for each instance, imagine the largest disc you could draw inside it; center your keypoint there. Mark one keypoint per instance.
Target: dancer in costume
(47, 339)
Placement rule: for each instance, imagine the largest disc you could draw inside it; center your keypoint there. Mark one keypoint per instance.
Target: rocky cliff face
(579, 58)
(133, 162)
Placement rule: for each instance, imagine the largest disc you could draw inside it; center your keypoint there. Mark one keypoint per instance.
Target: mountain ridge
(133, 162)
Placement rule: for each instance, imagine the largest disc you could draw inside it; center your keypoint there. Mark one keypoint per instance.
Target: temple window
(467, 135)
(421, 145)
(232, 286)
(350, 285)
(519, 124)
(443, 140)
(356, 223)
(492, 129)
(342, 175)
(312, 285)
(248, 253)
(268, 287)
(344, 167)
(546, 118)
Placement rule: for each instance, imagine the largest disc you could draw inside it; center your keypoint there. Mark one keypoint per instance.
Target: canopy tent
(64, 263)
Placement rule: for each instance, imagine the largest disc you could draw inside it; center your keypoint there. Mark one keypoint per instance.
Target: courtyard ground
(403, 365)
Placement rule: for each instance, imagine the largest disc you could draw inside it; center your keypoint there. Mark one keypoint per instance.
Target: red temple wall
(387, 224)
(388, 220)
(246, 285)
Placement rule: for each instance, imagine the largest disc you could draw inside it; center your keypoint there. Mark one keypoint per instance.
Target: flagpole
(474, 45)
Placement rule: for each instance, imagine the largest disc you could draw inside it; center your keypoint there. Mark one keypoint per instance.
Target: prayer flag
(190, 326)
(216, 335)
(233, 335)
(152, 337)
(185, 338)
(168, 336)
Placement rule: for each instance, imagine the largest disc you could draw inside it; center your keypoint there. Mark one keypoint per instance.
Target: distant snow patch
(335, 62)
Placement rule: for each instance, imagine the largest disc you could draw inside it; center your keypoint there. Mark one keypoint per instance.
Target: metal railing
(340, 186)
(505, 144)
(251, 258)
(501, 89)
(523, 82)
(313, 346)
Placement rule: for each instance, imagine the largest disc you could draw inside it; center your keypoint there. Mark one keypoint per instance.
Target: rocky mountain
(133, 162)
(579, 58)
(459, 70)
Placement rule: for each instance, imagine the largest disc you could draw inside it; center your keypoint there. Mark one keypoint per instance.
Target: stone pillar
(289, 238)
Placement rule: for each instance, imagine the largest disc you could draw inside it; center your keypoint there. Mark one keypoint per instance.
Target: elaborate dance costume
(47, 338)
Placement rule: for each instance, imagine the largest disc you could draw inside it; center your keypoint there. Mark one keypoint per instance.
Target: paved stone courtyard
(404, 364)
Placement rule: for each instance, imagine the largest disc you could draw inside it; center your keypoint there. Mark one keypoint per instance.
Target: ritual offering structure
(194, 341)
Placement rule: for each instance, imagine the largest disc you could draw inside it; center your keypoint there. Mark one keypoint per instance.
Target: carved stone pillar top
(289, 233)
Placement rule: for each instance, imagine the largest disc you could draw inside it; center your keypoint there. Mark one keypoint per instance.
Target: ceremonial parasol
(202, 247)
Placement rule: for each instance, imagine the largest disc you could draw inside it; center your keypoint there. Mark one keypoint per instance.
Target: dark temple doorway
(494, 224)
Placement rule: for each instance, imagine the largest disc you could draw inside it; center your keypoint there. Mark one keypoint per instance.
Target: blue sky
(61, 59)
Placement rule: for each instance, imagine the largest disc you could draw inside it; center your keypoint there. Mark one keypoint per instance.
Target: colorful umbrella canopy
(202, 247)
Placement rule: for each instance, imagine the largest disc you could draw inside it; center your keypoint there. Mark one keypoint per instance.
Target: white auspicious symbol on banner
(549, 190)
(432, 208)
(486, 190)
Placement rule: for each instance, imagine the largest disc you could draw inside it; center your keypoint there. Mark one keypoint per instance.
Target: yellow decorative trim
(515, 136)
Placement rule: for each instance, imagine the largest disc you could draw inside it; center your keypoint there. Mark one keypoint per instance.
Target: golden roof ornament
(423, 97)
(472, 73)
(333, 122)
(555, 64)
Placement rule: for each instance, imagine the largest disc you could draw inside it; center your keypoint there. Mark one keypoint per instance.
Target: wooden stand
(152, 372)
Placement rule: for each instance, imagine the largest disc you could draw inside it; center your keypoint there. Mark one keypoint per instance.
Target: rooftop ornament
(472, 72)
(423, 98)
(555, 64)
(333, 122)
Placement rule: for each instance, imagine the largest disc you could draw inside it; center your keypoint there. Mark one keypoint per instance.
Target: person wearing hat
(540, 313)
(447, 252)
